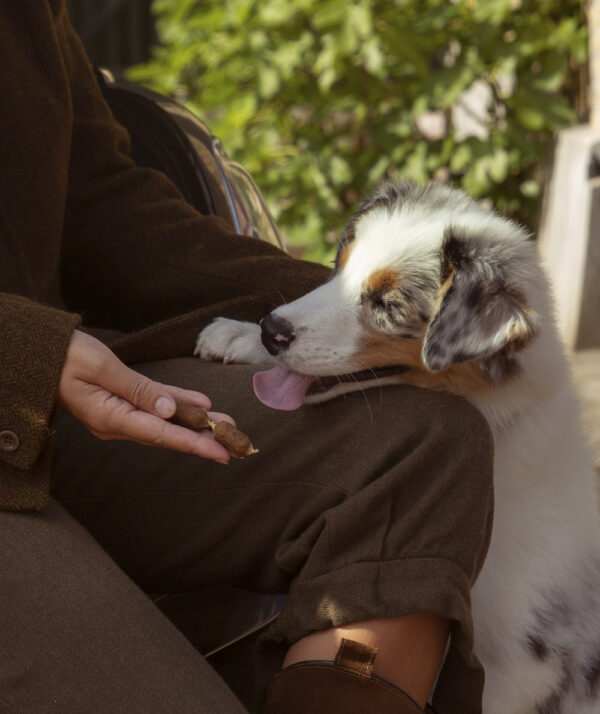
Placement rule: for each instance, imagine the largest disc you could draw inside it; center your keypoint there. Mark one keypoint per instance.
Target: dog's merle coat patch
(483, 316)
(537, 647)
(565, 636)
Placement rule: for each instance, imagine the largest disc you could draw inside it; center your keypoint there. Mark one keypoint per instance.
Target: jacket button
(9, 441)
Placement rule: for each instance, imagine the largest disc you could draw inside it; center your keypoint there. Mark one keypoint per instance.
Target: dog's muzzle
(277, 334)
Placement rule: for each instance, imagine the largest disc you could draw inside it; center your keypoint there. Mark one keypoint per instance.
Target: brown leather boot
(346, 686)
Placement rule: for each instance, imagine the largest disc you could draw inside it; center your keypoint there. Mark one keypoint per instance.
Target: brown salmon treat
(234, 440)
(195, 418)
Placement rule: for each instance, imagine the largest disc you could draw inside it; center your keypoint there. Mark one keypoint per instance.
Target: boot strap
(360, 658)
(356, 657)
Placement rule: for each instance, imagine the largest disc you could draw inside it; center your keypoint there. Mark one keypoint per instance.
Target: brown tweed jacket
(88, 237)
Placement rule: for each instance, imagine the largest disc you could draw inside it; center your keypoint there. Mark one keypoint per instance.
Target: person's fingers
(116, 402)
(188, 396)
(145, 428)
(219, 416)
(148, 395)
(143, 393)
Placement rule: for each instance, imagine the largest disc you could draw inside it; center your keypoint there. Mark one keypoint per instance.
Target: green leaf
(491, 11)
(268, 80)
(531, 188)
(340, 171)
(374, 57)
(498, 165)
(552, 74)
(530, 118)
(415, 167)
(461, 157)
(451, 83)
(378, 171)
(476, 180)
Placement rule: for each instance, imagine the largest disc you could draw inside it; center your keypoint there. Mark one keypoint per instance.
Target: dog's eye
(393, 302)
(376, 300)
(386, 311)
(398, 308)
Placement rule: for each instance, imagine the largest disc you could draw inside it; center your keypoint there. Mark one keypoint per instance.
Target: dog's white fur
(536, 603)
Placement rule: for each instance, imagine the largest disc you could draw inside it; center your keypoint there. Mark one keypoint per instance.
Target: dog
(430, 288)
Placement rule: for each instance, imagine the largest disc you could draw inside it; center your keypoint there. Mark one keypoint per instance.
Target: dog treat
(234, 440)
(195, 418)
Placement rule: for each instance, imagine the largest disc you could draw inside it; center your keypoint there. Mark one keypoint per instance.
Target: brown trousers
(374, 504)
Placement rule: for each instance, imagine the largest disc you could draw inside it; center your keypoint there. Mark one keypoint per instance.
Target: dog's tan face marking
(382, 281)
(521, 333)
(442, 292)
(459, 378)
(343, 256)
(379, 350)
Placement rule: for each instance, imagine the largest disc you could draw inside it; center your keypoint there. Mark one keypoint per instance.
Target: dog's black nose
(277, 334)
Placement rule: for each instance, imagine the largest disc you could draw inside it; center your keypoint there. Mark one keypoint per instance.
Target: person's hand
(115, 402)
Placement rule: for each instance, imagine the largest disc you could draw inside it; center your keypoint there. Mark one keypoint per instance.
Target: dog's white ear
(481, 315)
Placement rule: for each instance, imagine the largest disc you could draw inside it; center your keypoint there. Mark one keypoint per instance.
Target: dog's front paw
(232, 341)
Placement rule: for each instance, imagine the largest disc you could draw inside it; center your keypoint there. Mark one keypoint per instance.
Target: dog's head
(427, 284)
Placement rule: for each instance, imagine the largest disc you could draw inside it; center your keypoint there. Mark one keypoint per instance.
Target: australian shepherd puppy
(431, 289)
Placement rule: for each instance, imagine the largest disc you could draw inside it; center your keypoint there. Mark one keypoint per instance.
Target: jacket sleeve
(33, 345)
(135, 252)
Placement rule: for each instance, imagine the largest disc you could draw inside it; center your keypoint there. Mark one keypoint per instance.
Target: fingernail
(164, 407)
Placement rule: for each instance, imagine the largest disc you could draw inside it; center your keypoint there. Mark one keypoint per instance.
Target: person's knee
(442, 424)
(460, 449)
(440, 474)
(454, 426)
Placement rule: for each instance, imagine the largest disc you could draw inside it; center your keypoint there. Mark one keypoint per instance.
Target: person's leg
(77, 636)
(409, 649)
(374, 505)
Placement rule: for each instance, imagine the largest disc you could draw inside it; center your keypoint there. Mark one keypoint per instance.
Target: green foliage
(320, 99)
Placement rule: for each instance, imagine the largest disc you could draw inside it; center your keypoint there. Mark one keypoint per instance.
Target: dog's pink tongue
(281, 389)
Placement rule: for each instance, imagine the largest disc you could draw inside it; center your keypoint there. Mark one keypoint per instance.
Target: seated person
(373, 512)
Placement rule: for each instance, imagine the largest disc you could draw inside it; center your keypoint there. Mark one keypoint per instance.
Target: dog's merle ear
(481, 315)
